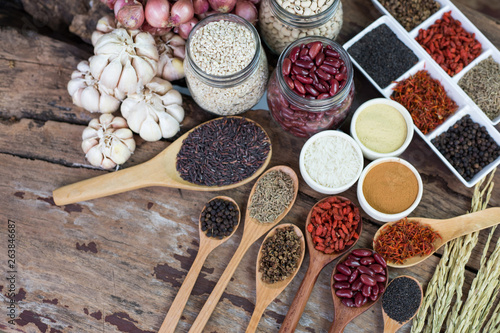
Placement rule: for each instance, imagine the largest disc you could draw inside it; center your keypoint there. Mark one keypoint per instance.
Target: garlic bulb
(172, 50)
(107, 141)
(105, 25)
(155, 112)
(89, 94)
(124, 60)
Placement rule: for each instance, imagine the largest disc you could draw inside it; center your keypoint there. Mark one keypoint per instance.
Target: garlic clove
(77, 75)
(90, 99)
(94, 123)
(173, 70)
(123, 133)
(94, 156)
(83, 66)
(107, 163)
(108, 78)
(159, 86)
(77, 97)
(136, 120)
(106, 120)
(108, 104)
(97, 65)
(128, 80)
(144, 69)
(176, 111)
(89, 133)
(128, 106)
(180, 52)
(119, 152)
(89, 143)
(130, 144)
(169, 126)
(150, 130)
(172, 97)
(146, 46)
(75, 84)
(120, 123)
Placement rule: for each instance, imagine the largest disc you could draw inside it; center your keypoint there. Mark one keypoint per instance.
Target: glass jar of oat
(312, 87)
(225, 65)
(282, 22)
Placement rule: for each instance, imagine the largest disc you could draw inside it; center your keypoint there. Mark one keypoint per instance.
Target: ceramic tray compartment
(465, 104)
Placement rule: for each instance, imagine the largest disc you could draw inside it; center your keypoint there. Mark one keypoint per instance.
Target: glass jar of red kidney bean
(312, 87)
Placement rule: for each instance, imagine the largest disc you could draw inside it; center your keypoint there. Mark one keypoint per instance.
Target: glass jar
(229, 94)
(280, 27)
(301, 116)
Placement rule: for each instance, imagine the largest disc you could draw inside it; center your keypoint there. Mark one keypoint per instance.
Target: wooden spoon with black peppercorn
(207, 245)
(267, 292)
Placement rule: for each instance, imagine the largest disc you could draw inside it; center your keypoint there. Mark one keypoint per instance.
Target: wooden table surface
(115, 264)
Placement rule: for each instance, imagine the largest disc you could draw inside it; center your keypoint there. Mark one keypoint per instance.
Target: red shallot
(131, 15)
(157, 13)
(109, 3)
(200, 6)
(185, 28)
(247, 10)
(154, 31)
(182, 11)
(223, 6)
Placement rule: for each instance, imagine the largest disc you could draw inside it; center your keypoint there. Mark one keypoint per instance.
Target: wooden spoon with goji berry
(333, 227)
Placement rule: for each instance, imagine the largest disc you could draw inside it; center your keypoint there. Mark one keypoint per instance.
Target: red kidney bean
(299, 87)
(342, 285)
(340, 277)
(381, 287)
(332, 53)
(344, 269)
(344, 293)
(311, 97)
(304, 63)
(310, 89)
(379, 278)
(353, 276)
(315, 49)
(367, 261)
(304, 80)
(306, 57)
(289, 82)
(339, 77)
(319, 87)
(334, 87)
(377, 268)
(294, 54)
(319, 58)
(299, 70)
(348, 302)
(367, 279)
(287, 66)
(362, 253)
(353, 257)
(323, 96)
(299, 133)
(329, 47)
(328, 69)
(366, 290)
(365, 299)
(357, 285)
(375, 289)
(373, 297)
(343, 69)
(352, 263)
(378, 258)
(323, 75)
(365, 270)
(303, 52)
(358, 299)
(334, 62)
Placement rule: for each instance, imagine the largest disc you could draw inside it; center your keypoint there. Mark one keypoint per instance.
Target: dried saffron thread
(425, 99)
(405, 239)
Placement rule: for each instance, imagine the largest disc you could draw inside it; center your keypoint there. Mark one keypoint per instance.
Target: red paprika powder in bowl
(389, 189)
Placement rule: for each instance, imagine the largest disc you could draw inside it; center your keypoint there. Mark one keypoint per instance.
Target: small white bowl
(367, 152)
(375, 213)
(312, 183)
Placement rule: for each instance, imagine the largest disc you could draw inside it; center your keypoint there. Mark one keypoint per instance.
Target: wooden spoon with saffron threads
(448, 229)
(207, 245)
(267, 292)
(161, 170)
(252, 231)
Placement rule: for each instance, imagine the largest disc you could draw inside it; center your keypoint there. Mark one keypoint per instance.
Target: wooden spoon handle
(260, 307)
(337, 327)
(177, 307)
(301, 297)
(221, 285)
(142, 175)
(391, 326)
(465, 224)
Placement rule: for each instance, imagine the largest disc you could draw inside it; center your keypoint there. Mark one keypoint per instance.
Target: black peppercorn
(218, 218)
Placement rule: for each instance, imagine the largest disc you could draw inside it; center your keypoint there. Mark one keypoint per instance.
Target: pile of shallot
(158, 17)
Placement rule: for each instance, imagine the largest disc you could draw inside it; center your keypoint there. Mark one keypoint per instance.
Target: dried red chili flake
(405, 239)
(333, 225)
(449, 44)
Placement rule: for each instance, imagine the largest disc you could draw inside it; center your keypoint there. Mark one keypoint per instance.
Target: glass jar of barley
(282, 22)
(225, 65)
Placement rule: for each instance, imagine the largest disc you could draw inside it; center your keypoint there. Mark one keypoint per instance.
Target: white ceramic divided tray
(465, 104)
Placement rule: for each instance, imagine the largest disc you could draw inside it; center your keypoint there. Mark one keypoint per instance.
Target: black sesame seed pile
(468, 147)
(219, 218)
(401, 299)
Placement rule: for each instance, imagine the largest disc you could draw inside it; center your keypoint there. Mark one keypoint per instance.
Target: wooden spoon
(267, 292)
(253, 230)
(343, 314)
(391, 325)
(207, 245)
(317, 261)
(159, 171)
(448, 229)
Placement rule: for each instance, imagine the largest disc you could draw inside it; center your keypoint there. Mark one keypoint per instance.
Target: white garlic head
(124, 60)
(105, 25)
(89, 94)
(172, 51)
(107, 141)
(154, 112)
